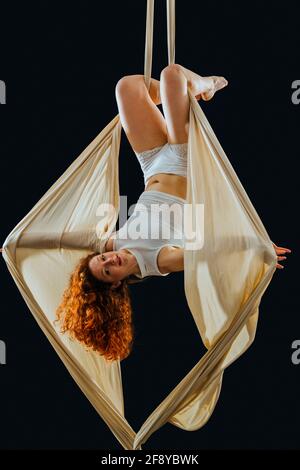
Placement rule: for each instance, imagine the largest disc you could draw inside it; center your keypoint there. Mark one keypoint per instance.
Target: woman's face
(111, 266)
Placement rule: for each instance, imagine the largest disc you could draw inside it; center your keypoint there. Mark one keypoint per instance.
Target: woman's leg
(174, 82)
(142, 121)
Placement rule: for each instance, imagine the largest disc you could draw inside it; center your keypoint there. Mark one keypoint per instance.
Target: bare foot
(214, 83)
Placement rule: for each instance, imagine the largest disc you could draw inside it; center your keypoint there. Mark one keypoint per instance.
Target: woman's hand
(280, 252)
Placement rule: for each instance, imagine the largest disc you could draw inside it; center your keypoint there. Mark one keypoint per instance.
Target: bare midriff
(168, 183)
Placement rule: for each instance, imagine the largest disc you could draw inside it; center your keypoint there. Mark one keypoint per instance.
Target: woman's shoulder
(170, 259)
(109, 245)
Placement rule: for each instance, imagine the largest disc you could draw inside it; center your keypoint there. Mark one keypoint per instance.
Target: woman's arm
(170, 259)
(80, 239)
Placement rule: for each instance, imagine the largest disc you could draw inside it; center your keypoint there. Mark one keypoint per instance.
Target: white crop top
(157, 221)
(168, 158)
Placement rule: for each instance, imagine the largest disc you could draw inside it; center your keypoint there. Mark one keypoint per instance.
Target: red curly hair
(96, 315)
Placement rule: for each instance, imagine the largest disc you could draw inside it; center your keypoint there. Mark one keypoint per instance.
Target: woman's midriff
(167, 183)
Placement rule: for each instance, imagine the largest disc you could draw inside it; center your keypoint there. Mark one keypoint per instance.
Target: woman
(96, 307)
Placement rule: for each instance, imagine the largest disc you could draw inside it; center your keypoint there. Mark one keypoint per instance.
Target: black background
(61, 64)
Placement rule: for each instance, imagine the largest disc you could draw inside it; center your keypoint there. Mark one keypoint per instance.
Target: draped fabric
(224, 280)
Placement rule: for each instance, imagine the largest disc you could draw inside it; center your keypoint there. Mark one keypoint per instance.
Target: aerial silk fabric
(224, 280)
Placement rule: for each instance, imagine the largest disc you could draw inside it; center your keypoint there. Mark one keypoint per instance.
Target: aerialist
(96, 306)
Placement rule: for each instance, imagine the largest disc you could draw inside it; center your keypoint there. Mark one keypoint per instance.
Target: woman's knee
(170, 71)
(128, 82)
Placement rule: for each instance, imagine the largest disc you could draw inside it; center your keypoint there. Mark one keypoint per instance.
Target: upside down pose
(96, 307)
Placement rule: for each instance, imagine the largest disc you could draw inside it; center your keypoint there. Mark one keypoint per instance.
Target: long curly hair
(96, 315)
